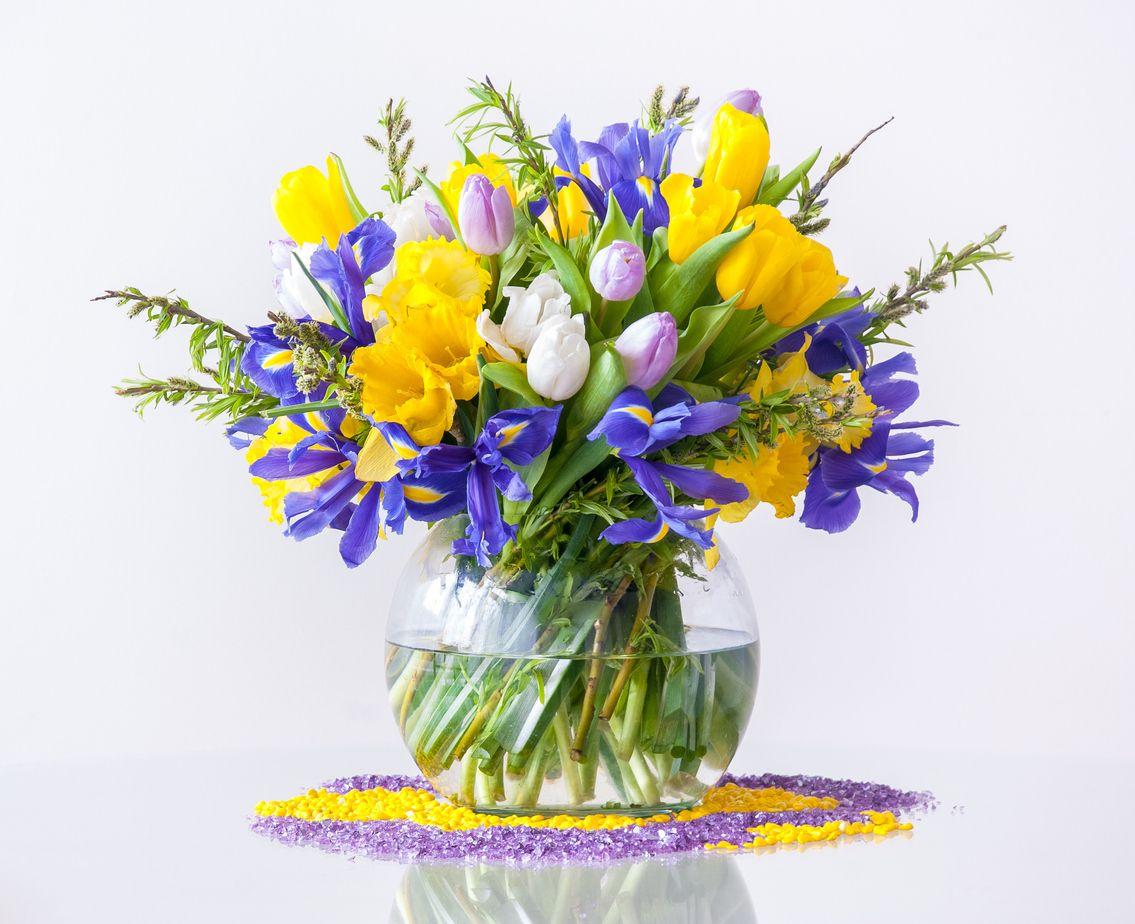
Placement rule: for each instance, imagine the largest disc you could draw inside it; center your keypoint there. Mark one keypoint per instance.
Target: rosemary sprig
(899, 302)
(208, 401)
(165, 311)
(215, 350)
(807, 218)
(398, 146)
(497, 116)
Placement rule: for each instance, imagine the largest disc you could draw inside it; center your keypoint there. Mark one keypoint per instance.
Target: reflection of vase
(614, 680)
(693, 888)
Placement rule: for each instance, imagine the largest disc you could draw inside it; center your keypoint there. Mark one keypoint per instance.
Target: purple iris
(478, 473)
(345, 274)
(882, 461)
(634, 428)
(835, 341)
(630, 163)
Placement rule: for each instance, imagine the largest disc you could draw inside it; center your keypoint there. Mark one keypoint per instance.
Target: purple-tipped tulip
(745, 99)
(485, 216)
(648, 348)
(438, 223)
(618, 270)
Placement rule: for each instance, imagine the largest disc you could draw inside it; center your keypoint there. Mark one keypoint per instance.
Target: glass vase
(619, 679)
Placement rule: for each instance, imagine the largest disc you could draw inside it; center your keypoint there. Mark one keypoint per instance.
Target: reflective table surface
(166, 839)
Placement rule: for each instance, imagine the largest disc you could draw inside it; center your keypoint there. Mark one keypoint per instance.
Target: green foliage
(900, 302)
(215, 350)
(605, 379)
(510, 378)
(678, 287)
(496, 116)
(398, 146)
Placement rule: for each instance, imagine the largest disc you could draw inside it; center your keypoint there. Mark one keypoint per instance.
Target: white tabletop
(166, 839)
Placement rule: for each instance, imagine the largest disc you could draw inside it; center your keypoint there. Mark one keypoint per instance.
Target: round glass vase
(616, 686)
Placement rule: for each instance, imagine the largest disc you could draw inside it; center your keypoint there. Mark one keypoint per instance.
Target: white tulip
(492, 334)
(294, 290)
(559, 359)
(529, 309)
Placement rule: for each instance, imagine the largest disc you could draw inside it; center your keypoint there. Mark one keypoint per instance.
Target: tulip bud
(618, 270)
(746, 100)
(648, 348)
(485, 216)
(560, 357)
(439, 224)
(738, 152)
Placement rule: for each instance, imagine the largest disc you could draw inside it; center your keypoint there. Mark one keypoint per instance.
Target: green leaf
(701, 393)
(835, 306)
(779, 189)
(615, 227)
(579, 458)
(705, 324)
(605, 379)
(337, 314)
(676, 288)
(570, 277)
(512, 379)
(358, 211)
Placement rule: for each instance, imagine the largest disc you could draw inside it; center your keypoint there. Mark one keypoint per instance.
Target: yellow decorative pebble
(424, 808)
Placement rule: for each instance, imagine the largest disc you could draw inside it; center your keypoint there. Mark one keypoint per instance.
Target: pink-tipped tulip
(648, 348)
(618, 270)
(484, 214)
(745, 99)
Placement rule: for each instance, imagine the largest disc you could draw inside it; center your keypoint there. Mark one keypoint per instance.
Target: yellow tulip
(401, 386)
(738, 152)
(811, 282)
(488, 164)
(757, 265)
(574, 209)
(697, 214)
(312, 207)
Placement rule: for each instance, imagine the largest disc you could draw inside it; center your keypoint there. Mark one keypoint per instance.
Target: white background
(150, 610)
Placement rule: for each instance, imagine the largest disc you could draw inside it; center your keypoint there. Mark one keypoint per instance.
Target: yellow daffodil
(402, 386)
(758, 264)
(853, 435)
(790, 374)
(447, 339)
(738, 152)
(433, 272)
(282, 434)
(775, 476)
(810, 282)
(311, 206)
(696, 213)
(489, 165)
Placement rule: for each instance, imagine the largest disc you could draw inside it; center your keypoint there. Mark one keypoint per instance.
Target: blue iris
(634, 427)
(881, 462)
(472, 477)
(630, 163)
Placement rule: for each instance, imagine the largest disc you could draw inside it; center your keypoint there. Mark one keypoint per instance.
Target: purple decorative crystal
(407, 841)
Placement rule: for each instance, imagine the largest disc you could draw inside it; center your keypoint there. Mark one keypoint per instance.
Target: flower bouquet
(572, 359)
